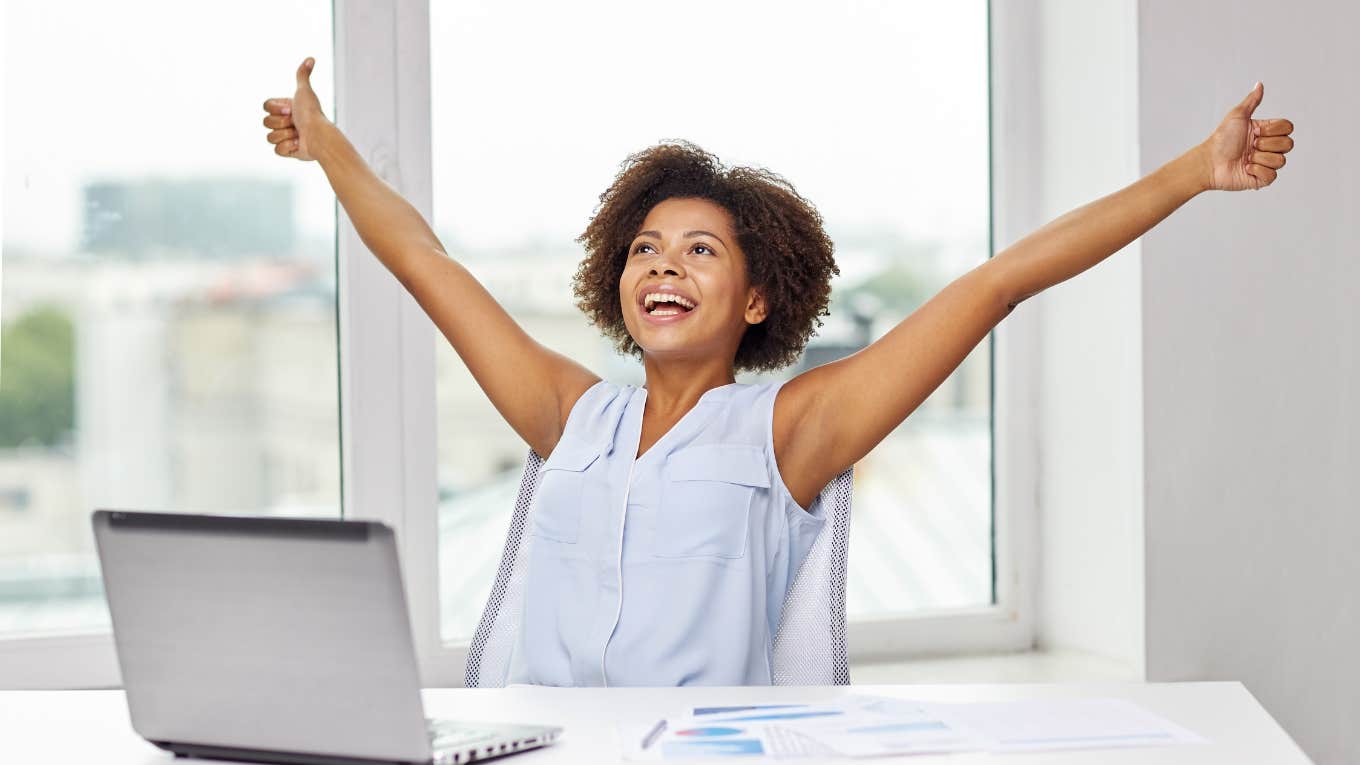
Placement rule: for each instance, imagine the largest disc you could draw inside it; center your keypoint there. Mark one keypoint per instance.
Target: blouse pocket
(706, 501)
(561, 484)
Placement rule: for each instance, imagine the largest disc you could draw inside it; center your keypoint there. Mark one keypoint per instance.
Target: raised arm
(829, 417)
(1241, 154)
(532, 387)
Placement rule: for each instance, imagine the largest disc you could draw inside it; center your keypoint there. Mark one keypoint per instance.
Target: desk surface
(92, 726)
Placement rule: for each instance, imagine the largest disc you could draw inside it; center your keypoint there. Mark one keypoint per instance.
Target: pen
(652, 736)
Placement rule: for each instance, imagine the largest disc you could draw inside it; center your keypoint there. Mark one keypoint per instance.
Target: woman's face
(687, 247)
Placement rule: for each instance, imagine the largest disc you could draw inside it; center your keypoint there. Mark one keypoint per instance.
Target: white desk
(92, 726)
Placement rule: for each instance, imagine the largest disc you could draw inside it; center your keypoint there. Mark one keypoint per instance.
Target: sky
(875, 111)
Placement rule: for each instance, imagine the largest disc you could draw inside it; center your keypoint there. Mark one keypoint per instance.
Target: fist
(296, 123)
(1246, 153)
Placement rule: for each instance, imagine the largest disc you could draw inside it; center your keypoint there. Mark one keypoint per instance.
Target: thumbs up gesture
(1246, 153)
(296, 123)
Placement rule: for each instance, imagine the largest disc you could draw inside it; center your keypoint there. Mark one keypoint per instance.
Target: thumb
(304, 72)
(1252, 100)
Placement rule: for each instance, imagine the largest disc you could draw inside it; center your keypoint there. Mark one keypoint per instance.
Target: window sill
(1056, 666)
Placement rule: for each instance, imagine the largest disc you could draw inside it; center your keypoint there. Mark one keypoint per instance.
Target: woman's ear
(756, 310)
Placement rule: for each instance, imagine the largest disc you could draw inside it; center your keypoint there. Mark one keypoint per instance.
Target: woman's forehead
(684, 214)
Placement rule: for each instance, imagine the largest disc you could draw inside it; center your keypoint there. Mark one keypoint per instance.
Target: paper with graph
(872, 726)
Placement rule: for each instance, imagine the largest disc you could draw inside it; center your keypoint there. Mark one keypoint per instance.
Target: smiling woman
(696, 270)
(674, 517)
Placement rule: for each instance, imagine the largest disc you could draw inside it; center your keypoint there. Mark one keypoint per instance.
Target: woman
(672, 518)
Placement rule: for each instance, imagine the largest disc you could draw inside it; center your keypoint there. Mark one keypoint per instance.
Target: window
(167, 287)
(876, 112)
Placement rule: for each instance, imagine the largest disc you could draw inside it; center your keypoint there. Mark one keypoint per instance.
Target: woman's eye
(697, 248)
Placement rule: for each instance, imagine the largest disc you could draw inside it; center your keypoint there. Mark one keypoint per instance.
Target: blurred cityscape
(184, 358)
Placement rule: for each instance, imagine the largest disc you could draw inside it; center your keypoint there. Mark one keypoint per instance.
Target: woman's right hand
(296, 123)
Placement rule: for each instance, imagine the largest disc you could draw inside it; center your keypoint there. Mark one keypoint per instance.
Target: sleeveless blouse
(668, 569)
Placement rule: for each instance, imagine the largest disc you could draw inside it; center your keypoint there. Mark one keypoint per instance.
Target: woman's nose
(665, 264)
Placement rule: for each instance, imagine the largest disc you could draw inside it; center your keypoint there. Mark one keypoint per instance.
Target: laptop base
(279, 758)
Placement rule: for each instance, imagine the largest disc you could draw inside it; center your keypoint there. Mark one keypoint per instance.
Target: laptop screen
(263, 633)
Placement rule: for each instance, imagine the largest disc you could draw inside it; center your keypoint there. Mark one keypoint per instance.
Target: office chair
(809, 645)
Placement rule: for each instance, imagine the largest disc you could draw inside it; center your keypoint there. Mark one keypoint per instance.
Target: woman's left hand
(1244, 153)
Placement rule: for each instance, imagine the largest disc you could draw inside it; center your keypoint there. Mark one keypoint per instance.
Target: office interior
(1146, 474)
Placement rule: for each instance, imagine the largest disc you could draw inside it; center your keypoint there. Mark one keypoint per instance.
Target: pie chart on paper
(714, 731)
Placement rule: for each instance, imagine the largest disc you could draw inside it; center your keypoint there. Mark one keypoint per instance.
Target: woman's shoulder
(594, 416)
(597, 398)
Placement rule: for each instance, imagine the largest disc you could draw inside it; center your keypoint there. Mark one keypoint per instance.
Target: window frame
(387, 365)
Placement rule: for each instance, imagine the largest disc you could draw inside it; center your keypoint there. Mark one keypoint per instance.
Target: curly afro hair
(788, 255)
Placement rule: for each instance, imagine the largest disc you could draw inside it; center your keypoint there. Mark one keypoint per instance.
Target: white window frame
(388, 409)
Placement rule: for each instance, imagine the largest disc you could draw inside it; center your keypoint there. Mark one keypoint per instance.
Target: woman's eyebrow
(688, 235)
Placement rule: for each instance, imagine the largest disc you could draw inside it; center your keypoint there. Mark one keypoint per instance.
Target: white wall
(1199, 485)
(1252, 398)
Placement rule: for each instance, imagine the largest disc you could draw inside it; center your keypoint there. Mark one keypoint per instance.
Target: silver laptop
(275, 640)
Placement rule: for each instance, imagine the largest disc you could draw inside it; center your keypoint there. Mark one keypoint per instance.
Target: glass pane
(877, 112)
(167, 287)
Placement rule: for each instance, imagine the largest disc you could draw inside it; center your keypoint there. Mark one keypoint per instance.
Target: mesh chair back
(809, 645)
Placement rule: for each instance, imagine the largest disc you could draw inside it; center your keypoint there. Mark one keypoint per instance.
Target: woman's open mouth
(666, 307)
(667, 313)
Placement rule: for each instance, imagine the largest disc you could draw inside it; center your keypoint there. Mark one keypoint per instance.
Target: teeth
(653, 298)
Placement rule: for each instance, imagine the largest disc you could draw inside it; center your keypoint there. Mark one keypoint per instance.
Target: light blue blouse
(668, 569)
